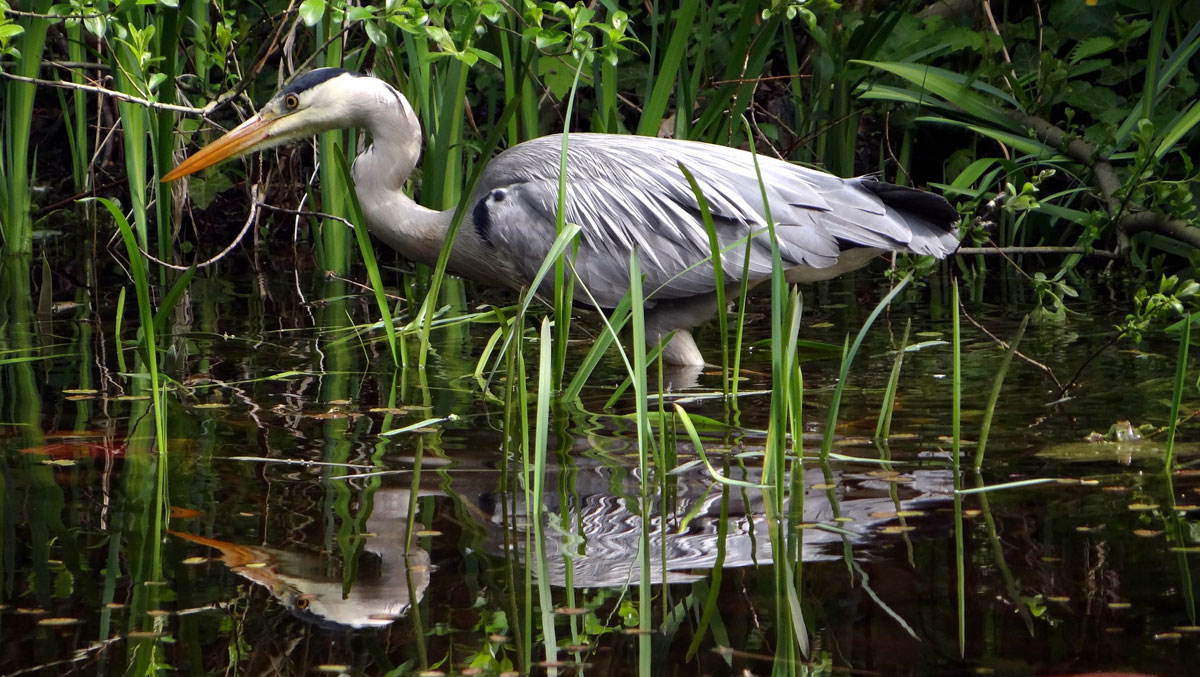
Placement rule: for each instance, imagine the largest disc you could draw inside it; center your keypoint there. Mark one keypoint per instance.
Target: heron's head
(317, 101)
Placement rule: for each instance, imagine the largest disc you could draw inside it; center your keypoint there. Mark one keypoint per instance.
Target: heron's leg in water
(679, 316)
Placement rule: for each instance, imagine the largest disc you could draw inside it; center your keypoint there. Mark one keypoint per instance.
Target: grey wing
(628, 193)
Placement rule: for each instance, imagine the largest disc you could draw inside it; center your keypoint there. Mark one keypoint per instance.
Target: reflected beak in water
(242, 139)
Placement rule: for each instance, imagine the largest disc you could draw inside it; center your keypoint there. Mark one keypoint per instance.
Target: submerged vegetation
(1064, 131)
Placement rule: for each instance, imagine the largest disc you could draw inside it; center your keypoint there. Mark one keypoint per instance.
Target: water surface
(300, 538)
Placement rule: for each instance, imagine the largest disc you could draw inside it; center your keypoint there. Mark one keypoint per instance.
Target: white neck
(379, 174)
(381, 170)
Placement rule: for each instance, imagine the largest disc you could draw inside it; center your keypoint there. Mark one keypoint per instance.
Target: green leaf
(1024, 144)
(375, 33)
(1091, 47)
(656, 107)
(1094, 100)
(202, 190)
(548, 37)
(311, 11)
(95, 25)
(10, 30)
(1178, 129)
(485, 56)
(960, 90)
(971, 174)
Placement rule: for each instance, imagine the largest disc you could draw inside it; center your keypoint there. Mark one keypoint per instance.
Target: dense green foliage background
(1064, 130)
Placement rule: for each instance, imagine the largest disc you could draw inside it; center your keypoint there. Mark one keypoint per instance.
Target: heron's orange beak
(241, 139)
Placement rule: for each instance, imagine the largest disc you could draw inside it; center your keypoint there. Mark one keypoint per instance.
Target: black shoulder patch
(483, 220)
(313, 78)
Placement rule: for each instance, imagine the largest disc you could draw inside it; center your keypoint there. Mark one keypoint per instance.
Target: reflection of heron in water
(596, 532)
(301, 582)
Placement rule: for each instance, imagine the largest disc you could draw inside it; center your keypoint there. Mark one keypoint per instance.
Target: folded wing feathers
(628, 192)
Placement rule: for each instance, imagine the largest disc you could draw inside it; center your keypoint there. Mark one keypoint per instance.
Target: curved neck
(379, 174)
(380, 171)
(395, 133)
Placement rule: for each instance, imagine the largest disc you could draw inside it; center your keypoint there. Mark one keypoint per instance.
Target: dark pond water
(285, 533)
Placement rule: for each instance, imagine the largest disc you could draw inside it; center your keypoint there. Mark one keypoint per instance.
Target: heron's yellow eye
(291, 101)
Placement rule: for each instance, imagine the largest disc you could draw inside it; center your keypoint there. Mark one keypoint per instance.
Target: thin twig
(1015, 251)
(1004, 344)
(764, 78)
(887, 143)
(42, 211)
(255, 194)
(119, 96)
(360, 285)
(36, 15)
(306, 212)
(1078, 372)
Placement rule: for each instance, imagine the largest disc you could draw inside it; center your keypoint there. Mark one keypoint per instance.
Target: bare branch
(1155, 222)
(255, 195)
(1016, 251)
(119, 96)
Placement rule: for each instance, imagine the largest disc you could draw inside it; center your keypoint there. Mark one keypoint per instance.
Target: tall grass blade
(535, 495)
(429, 307)
(956, 455)
(989, 411)
(664, 79)
(167, 305)
(564, 286)
(637, 305)
(883, 427)
(690, 428)
(612, 327)
(564, 240)
(714, 248)
(17, 226)
(1177, 392)
(368, 252)
(848, 359)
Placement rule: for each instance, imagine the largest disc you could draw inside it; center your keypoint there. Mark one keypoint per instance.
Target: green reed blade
(1019, 484)
(167, 305)
(16, 228)
(883, 427)
(541, 441)
(777, 426)
(848, 359)
(637, 305)
(714, 248)
(1185, 340)
(997, 385)
(613, 325)
(117, 326)
(956, 432)
(564, 240)
(367, 251)
(141, 285)
(429, 306)
(664, 80)
(564, 287)
(694, 436)
(714, 589)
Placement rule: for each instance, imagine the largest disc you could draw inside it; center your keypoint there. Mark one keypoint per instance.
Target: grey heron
(626, 192)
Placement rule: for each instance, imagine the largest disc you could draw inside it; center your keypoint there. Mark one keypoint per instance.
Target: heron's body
(626, 192)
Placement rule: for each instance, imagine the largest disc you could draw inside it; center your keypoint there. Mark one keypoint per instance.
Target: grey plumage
(626, 192)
